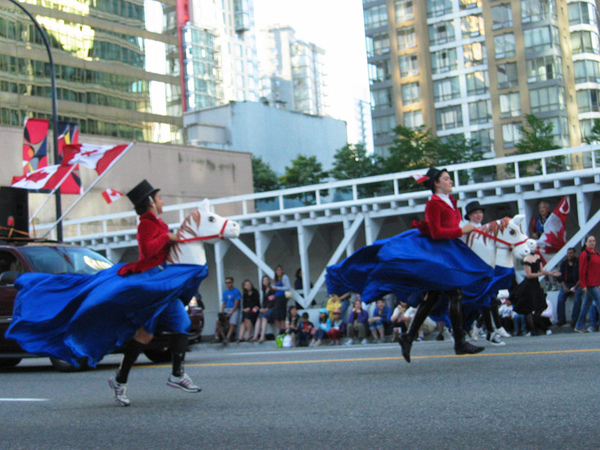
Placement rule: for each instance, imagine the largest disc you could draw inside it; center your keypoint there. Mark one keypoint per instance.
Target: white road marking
(23, 399)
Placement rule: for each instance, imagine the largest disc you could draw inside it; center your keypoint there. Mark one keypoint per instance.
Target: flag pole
(52, 193)
(110, 166)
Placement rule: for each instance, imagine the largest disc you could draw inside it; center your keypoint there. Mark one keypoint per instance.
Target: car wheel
(9, 362)
(63, 366)
(159, 356)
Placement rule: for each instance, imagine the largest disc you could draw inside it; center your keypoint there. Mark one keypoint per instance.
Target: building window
(505, 45)
(536, 10)
(441, 32)
(583, 13)
(542, 38)
(480, 112)
(409, 65)
(507, 75)
(510, 105)
(547, 99)
(376, 17)
(411, 93)
(511, 134)
(413, 119)
(469, 4)
(449, 118)
(544, 68)
(587, 71)
(383, 126)
(474, 54)
(407, 38)
(444, 61)
(472, 26)
(380, 71)
(560, 130)
(502, 17)
(381, 98)
(438, 7)
(446, 89)
(404, 10)
(378, 44)
(485, 139)
(588, 100)
(477, 83)
(585, 42)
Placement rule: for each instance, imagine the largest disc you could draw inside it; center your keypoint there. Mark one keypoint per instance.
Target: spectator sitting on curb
(338, 328)
(379, 321)
(357, 323)
(323, 326)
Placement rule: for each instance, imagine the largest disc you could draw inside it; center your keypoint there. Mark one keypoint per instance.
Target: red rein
(497, 239)
(206, 238)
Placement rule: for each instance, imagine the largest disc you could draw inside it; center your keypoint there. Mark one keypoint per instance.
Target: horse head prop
(200, 227)
(499, 242)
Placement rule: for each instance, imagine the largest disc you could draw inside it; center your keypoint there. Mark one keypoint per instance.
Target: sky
(337, 27)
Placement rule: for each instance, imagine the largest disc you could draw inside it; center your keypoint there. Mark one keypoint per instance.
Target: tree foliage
(594, 137)
(537, 137)
(264, 177)
(303, 171)
(353, 161)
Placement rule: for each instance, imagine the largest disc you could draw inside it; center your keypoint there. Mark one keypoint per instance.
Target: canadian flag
(555, 230)
(45, 178)
(111, 195)
(98, 157)
(420, 178)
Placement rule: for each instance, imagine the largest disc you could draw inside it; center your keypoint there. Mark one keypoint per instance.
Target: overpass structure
(315, 226)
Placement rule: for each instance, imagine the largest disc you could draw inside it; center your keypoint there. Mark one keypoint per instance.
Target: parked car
(27, 255)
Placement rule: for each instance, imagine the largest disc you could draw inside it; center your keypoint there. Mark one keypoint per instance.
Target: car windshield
(63, 259)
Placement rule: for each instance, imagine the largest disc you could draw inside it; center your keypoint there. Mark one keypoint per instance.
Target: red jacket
(153, 243)
(589, 271)
(441, 221)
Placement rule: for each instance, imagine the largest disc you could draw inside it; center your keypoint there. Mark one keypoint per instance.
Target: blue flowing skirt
(409, 263)
(74, 316)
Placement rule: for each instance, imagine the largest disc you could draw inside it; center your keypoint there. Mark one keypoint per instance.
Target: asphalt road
(536, 392)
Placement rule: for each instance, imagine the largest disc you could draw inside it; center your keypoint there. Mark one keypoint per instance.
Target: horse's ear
(519, 219)
(205, 204)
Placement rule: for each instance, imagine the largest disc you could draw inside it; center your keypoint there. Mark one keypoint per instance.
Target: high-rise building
(292, 72)
(219, 56)
(111, 61)
(476, 68)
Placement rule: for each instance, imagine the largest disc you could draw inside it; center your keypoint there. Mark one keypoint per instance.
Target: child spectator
(333, 303)
(338, 328)
(305, 332)
(400, 322)
(323, 326)
(292, 324)
(357, 323)
(380, 321)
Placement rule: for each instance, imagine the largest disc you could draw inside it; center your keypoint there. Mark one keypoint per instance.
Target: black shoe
(439, 337)
(467, 349)
(560, 323)
(406, 345)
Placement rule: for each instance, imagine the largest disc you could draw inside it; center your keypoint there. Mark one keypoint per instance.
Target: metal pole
(59, 231)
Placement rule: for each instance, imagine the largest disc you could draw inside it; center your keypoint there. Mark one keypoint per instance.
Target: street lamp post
(59, 231)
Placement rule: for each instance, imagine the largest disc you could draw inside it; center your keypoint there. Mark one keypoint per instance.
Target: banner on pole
(35, 144)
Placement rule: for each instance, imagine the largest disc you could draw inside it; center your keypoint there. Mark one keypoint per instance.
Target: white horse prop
(200, 227)
(498, 243)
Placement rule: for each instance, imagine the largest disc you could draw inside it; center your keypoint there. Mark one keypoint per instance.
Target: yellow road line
(389, 358)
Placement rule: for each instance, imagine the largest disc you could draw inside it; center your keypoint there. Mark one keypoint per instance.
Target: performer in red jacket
(442, 221)
(154, 241)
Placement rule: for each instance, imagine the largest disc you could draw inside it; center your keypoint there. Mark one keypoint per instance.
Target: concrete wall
(278, 136)
(183, 174)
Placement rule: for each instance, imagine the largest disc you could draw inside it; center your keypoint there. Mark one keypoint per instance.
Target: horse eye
(211, 219)
(512, 232)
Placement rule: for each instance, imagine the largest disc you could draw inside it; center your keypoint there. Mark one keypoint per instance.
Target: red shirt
(441, 221)
(153, 244)
(589, 271)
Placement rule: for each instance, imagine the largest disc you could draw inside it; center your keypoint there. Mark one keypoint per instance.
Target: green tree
(353, 161)
(594, 137)
(456, 149)
(304, 171)
(537, 137)
(264, 177)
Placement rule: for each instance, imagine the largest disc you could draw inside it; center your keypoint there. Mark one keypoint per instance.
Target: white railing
(319, 197)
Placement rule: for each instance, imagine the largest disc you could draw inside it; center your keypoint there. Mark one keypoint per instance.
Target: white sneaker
(548, 332)
(474, 333)
(184, 383)
(119, 391)
(495, 339)
(350, 342)
(503, 333)
(364, 341)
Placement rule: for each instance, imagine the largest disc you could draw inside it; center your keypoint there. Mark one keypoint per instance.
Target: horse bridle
(510, 245)
(221, 235)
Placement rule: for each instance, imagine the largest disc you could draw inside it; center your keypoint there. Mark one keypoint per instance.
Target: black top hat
(473, 206)
(432, 175)
(141, 192)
